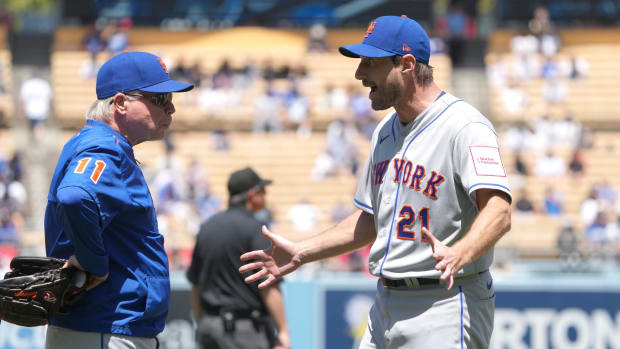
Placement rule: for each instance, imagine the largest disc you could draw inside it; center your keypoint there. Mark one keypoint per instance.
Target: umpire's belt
(237, 314)
(409, 282)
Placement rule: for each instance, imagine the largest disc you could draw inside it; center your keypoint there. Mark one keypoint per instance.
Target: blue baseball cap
(390, 36)
(129, 71)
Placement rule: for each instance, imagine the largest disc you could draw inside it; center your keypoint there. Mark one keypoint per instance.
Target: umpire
(230, 313)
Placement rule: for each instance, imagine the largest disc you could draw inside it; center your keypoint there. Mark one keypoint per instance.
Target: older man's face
(149, 116)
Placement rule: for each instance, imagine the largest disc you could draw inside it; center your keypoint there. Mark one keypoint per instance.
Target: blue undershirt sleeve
(81, 221)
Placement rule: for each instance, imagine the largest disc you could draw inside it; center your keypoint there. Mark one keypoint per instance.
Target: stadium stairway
(39, 153)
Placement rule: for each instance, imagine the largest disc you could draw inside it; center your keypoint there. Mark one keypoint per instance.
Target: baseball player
(100, 214)
(433, 199)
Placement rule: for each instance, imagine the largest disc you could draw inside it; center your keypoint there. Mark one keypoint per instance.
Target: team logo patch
(49, 296)
(163, 65)
(487, 161)
(406, 48)
(371, 28)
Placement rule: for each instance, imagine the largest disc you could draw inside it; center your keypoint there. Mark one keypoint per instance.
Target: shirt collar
(100, 125)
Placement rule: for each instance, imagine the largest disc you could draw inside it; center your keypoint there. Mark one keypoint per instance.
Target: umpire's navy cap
(243, 180)
(129, 71)
(390, 36)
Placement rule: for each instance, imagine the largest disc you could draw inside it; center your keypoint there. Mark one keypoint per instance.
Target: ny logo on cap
(371, 27)
(163, 65)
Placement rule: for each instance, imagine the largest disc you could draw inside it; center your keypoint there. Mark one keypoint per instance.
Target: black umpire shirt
(222, 239)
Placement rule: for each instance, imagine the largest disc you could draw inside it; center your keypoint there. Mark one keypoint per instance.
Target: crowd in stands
(276, 97)
(13, 199)
(557, 144)
(112, 39)
(183, 200)
(535, 57)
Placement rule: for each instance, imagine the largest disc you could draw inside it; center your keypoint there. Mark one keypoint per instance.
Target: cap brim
(168, 86)
(265, 182)
(363, 50)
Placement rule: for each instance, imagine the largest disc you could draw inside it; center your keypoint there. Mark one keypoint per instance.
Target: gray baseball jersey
(426, 173)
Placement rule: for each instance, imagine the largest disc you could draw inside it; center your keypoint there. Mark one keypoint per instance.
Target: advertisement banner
(523, 319)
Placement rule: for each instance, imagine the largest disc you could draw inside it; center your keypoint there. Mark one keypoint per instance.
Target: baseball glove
(37, 289)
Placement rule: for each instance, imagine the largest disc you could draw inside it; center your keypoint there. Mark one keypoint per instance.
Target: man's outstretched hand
(449, 262)
(278, 260)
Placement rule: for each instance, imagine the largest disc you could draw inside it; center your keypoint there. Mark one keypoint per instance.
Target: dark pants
(245, 334)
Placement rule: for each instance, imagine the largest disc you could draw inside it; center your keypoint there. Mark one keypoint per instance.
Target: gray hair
(101, 109)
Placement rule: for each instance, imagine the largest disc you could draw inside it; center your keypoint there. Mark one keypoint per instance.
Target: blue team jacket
(100, 209)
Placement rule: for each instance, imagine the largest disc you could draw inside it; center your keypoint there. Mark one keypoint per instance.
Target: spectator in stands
(606, 193)
(578, 67)
(36, 97)
(297, 112)
(15, 167)
(519, 165)
(362, 111)
(586, 139)
(116, 35)
(197, 180)
(553, 201)
(268, 71)
(223, 76)
(437, 43)
(519, 137)
(195, 74)
(575, 166)
(541, 22)
(524, 44)
(316, 42)
(340, 153)
(180, 70)
(268, 111)
(248, 73)
(549, 43)
(515, 99)
(568, 245)
(524, 204)
(283, 71)
(92, 43)
(550, 165)
(566, 132)
(613, 235)
(596, 232)
(457, 21)
(525, 47)
(220, 140)
(8, 231)
(334, 101)
(304, 216)
(555, 91)
(550, 69)
(589, 208)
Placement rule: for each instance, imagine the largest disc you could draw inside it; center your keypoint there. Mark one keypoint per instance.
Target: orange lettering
(371, 28)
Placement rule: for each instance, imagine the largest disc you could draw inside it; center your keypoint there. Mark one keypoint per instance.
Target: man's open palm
(274, 262)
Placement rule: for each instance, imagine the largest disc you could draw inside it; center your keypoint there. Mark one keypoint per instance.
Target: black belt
(409, 282)
(237, 314)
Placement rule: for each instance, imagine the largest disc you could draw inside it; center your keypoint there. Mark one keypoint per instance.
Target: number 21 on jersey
(96, 174)
(407, 220)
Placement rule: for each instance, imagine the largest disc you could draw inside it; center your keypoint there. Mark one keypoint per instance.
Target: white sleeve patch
(487, 161)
